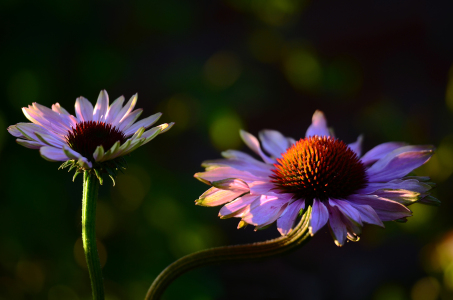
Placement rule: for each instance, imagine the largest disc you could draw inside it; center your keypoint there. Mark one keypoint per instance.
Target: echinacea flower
(344, 188)
(93, 138)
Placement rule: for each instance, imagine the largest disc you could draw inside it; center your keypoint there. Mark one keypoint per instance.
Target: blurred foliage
(215, 67)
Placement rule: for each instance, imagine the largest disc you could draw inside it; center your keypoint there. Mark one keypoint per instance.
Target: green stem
(247, 252)
(90, 197)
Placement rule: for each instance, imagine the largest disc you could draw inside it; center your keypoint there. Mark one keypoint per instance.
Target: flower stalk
(90, 197)
(296, 238)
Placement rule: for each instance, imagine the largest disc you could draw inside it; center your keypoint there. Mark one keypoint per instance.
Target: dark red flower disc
(88, 135)
(321, 168)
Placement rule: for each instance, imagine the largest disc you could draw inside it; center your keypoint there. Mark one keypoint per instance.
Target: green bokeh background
(381, 69)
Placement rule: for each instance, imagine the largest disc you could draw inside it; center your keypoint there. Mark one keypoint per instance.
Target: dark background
(378, 68)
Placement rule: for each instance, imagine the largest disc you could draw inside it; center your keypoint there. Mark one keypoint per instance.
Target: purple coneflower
(94, 138)
(344, 188)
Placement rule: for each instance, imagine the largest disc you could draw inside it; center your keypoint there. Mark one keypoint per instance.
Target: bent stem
(90, 197)
(247, 252)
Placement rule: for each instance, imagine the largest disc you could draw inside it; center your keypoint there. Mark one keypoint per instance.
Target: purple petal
(29, 144)
(387, 210)
(124, 112)
(404, 197)
(59, 109)
(397, 184)
(257, 170)
(380, 151)
(102, 105)
(253, 143)
(267, 212)
(113, 110)
(83, 109)
(53, 154)
(48, 114)
(50, 140)
(319, 216)
(226, 172)
(286, 221)
(232, 184)
(338, 228)
(215, 196)
(51, 123)
(147, 122)
(399, 163)
(237, 206)
(318, 126)
(357, 146)
(368, 215)
(127, 122)
(29, 130)
(14, 131)
(346, 209)
(274, 142)
(261, 187)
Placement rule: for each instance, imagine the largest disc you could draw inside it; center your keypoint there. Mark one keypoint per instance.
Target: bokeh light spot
(222, 69)
(390, 292)
(60, 292)
(79, 255)
(24, 88)
(132, 188)
(224, 131)
(181, 109)
(105, 219)
(303, 69)
(426, 289)
(31, 275)
(161, 210)
(440, 166)
(265, 45)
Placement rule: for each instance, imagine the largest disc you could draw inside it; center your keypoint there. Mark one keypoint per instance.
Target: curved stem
(236, 253)
(90, 197)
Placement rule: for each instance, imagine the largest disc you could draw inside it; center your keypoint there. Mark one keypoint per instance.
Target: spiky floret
(321, 168)
(88, 135)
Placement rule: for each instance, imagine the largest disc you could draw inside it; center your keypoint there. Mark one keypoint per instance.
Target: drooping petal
(101, 107)
(50, 140)
(237, 206)
(337, 227)
(232, 184)
(380, 151)
(266, 212)
(386, 209)
(53, 154)
(215, 196)
(14, 131)
(319, 216)
(83, 109)
(404, 197)
(273, 142)
(399, 163)
(396, 184)
(347, 210)
(225, 172)
(252, 142)
(257, 170)
(29, 130)
(50, 124)
(318, 126)
(30, 144)
(261, 187)
(368, 215)
(286, 221)
(147, 122)
(357, 146)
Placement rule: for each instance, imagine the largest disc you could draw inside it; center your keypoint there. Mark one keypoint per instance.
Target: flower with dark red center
(344, 188)
(91, 138)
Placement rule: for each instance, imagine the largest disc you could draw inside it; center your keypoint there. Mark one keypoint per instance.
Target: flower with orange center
(344, 188)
